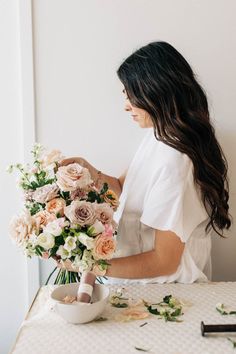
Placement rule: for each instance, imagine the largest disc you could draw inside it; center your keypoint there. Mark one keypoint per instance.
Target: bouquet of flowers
(66, 216)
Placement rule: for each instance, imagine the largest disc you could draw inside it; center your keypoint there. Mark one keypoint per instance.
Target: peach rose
(56, 206)
(104, 247)
(42, 218)
(72, 177)
(21, 227)
(104, 213)
(111, 198)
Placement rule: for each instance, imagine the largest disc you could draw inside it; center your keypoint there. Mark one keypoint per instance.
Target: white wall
(13, 271)
(78, 47)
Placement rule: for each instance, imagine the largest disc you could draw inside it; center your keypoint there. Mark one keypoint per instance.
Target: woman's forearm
(143, 265)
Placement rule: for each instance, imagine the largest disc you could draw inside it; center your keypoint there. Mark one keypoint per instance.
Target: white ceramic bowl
(80, 312)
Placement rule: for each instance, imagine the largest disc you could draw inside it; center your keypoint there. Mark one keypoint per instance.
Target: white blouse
(159, 193)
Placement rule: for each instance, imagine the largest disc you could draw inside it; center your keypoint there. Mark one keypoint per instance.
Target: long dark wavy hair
(159, 80)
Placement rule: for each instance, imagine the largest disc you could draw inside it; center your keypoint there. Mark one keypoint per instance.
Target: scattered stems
(168, 309)
(222, 310)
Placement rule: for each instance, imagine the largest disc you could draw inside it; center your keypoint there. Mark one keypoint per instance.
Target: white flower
(70, 243)
(86, 262)
(53, 228)
(76, 262)
(96, 228)
(63, 252)
(86, 240)
(46, 240)
(50, 158)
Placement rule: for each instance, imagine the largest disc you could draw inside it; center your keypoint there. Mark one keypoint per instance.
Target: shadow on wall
(224, 249)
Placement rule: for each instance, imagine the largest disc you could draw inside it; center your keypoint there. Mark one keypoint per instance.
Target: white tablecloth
(44, 332)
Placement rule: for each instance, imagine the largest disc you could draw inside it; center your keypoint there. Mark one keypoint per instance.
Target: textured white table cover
(44, 332)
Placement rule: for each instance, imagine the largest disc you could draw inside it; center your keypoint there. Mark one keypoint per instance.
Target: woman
(175, 192)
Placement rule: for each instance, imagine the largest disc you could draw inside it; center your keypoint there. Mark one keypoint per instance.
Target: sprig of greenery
(222, 310)
(142, 349)
(169, 309)
(117, 300)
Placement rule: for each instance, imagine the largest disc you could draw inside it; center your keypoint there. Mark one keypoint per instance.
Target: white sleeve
(173, 202)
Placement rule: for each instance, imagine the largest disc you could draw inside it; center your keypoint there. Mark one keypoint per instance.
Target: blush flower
(56, 206)
(50, 158)
(21, 227)
(42, 218)
(72, 177)
(104, 213)
(45, 193)
(81, 212)
(104, 247)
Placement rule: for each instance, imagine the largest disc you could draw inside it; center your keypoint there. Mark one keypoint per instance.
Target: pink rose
(104, 247)
(104, 213)
(81, 212)
(45, 193)
(56, 206)
(72, 177)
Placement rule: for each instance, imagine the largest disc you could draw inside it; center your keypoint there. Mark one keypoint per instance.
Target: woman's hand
(80, 160)
(66, 265)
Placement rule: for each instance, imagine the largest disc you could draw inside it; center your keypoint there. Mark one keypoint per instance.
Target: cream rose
(50, 158)
(45, 193)
(21, 227)
(46, 240)
(104, 213)
(81, 212)
(104, 247)
(56, 206)
(72, 177)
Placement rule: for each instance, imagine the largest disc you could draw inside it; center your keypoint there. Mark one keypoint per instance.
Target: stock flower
(104, 247)
(104, 213)
(56, 206)
(81, 212)
(86, 240)
(21, 227)
(86, 262)
(46, 240)
(45, 193)
(111, 198)
(72, 177)
(63, 252)
(70, 243)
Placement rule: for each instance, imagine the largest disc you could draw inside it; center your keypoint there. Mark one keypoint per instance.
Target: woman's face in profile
(139, 115)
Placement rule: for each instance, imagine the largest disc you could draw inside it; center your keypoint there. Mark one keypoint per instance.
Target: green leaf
(104, 188)
(119, 305)
(167, 298)
(153, 311)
